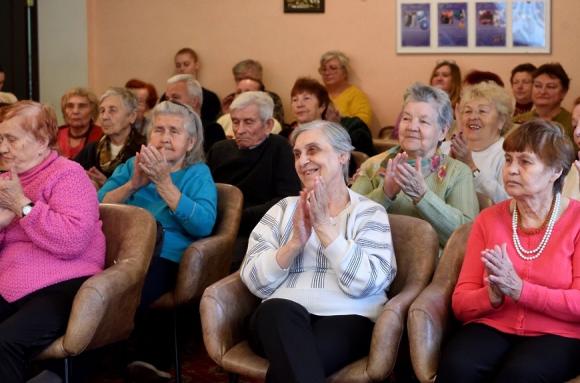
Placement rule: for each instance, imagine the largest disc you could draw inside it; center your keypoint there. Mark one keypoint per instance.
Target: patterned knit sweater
(449, 202)
(60, 239)
(348, 277)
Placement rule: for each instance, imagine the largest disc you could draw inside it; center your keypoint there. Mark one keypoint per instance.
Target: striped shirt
(349, 276)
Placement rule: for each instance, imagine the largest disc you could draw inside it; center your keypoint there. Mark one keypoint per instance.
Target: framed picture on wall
(472, 26)
(303, 6)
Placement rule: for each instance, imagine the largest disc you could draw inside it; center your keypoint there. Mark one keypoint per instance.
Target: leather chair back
(430, 314)
(208, 259)
(105, 305)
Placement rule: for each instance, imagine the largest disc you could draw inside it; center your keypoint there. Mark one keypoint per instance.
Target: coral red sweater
(60, 239)
(550, 298)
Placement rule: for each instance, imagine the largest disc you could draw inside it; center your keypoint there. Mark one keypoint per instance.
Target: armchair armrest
(224, 307)
(203, 262)
(102, 310)
(427, 325)
(388, 332)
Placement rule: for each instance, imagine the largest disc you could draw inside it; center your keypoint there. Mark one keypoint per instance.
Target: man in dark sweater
(259, 163)
(185, 89)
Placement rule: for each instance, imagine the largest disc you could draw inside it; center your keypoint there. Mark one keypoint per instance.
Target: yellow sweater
(353, 102)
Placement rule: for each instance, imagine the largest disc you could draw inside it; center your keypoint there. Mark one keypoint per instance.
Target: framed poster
(529, 24)
(303, 6)
(452, 24)
(472, 26)
(415, 25)
(490, 28)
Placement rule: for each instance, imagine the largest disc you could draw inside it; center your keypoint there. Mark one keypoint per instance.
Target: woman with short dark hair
(518, 293)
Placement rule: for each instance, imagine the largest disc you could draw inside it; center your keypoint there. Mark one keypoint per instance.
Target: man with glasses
(184, 89)
(549, 87)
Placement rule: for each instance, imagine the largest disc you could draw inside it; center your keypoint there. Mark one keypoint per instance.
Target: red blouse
(550, 298)
(95, 133)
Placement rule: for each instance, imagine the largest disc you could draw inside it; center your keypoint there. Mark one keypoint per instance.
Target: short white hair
(261, 99)
(193, 86)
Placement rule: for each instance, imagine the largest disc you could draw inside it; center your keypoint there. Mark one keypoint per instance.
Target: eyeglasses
(329, 68)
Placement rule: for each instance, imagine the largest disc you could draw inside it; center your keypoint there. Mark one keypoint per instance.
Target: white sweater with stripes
(348, 277)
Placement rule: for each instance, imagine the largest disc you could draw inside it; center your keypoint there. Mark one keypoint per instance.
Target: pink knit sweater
(60, 239)
(550, 298)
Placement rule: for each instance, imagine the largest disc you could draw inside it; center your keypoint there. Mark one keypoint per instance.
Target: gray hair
(129, 99)
(193, 86)
(191, 123)
(248, 68)
(337, 136)
(340, 56)
(493, 93)
(436, 97)
(261, 99)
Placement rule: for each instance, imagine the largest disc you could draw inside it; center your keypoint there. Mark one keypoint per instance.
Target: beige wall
(62, 48)
(137, 38)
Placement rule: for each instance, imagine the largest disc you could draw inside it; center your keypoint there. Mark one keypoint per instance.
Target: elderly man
(252, 69)
(259, 163)
(187, 62)
(183, 88)
(245, 85)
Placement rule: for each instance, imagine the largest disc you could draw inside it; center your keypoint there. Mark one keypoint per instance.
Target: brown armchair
(429, 315)
(206, 260)
(226, 304)
(104, 307)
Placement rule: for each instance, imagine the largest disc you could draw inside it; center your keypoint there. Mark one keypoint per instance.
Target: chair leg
(66, 370)
(176, 348)
(233, 378)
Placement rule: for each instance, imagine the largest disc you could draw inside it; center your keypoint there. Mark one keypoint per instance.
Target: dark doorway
(18, 53)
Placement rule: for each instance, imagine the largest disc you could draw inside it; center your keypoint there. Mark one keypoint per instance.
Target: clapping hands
(150, 166)
(153, 164)
(12, 196)
(460, 151)
(400, 176)
(501, 275)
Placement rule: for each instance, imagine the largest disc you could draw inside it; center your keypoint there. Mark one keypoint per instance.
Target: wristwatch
(475, 172)
(26, 209)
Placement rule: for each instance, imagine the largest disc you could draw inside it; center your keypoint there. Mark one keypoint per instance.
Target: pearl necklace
(523, 253)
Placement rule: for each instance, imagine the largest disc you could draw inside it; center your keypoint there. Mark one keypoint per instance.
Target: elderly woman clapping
(169, 178)
(117, 113)
(518, 293)
(485, 112)
(50, 235)
(415, 178)
(321, 262)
